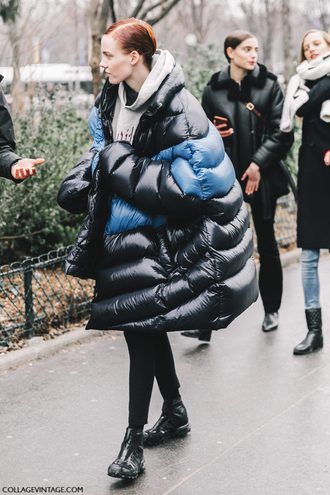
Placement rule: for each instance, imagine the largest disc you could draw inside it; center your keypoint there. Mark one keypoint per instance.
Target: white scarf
(297, 91)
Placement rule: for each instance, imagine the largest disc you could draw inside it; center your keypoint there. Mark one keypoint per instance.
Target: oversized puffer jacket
(166, 236)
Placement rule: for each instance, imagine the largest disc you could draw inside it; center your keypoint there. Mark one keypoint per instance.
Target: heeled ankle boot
(204, 335)
(172, 423)
(130, 461)
(314, 338)
(270, 322)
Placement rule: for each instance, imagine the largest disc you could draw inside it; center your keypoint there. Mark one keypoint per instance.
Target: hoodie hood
(162, 65)
(126, 117)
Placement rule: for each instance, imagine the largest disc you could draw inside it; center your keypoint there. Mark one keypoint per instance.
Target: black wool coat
(313, 226)
(7, 139)
(193, 272)
(253, 140)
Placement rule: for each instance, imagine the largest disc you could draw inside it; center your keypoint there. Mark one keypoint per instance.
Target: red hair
(134, 35)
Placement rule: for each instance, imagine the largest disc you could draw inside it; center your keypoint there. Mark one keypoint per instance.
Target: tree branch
(137, 9)
(163, 13)
(112, 11)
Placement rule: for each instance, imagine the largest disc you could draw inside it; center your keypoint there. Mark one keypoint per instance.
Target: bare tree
(100, 12)
(9, 12)
(197, 17)
(286, 38)
(261, 19)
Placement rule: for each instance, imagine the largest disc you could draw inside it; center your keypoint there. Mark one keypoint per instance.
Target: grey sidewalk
(259, 416)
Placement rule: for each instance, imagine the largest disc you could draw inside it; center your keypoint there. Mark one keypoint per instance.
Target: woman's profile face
(115, 62)
(245, 55)
(314, 46)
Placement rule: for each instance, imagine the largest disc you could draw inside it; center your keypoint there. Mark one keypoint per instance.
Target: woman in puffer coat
(245, 102)
(166, 237)
(308, 96)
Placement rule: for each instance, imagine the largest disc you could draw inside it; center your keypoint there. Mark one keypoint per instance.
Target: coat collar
(254, 79)
(257, 78)
(171, 85)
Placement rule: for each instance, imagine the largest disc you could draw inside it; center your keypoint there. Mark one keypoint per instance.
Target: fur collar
(256, 78)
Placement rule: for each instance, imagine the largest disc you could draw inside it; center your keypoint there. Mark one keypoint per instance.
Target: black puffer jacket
(253, 140)
(7, 139)
(195, 271)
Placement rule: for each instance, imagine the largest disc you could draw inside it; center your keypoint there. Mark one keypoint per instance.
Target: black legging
(270, 274)
(150, 356)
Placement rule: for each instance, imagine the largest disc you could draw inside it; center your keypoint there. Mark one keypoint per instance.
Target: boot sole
(302, 353)
(180, 432)
(269, 329)
(125, 477)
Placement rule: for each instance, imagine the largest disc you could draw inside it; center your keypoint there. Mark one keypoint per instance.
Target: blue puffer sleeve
(201, 167)
(96, 130)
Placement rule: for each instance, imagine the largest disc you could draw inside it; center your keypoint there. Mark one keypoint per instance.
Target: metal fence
(37, 297)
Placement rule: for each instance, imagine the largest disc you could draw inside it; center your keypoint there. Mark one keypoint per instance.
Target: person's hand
(26, 167)
(327, 158)
(252, 173)
(221, 123)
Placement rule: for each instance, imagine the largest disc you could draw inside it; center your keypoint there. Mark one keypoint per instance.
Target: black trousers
(150, 356)
(270, 274)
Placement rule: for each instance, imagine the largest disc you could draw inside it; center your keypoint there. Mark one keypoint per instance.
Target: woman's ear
(229, 52)
(135, 57)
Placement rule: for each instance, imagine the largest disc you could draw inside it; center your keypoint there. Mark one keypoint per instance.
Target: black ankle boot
(172, 423)
(314, 337)
(270, 322)
(204, 335)
(130, 462)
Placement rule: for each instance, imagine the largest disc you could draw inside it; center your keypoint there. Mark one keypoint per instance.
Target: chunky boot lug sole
(151, 440)
(125, 476)
(316, 347)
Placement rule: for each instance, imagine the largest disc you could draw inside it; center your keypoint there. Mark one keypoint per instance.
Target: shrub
(31, 222)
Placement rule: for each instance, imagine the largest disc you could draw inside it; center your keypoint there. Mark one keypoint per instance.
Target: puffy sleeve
(7, 140)
(277, 143)
(319, 93)
(145, 182)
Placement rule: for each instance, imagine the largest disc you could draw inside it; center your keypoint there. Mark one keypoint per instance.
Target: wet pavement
(260, 416)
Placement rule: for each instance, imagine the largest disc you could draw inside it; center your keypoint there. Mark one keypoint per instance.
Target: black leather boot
(130, 461)
(204, 335)
(172, 423)
(314, 338)
(270, 322)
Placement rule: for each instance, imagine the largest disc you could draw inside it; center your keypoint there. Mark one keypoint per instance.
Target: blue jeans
(310, 277)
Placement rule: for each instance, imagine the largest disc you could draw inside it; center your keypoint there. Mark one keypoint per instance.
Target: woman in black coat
(244, 100)
(308, 96)
(166, 236)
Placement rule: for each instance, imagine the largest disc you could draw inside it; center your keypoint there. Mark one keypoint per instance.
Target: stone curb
(37, 348)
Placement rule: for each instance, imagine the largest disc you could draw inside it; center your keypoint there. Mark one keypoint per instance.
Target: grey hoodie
(126, 118)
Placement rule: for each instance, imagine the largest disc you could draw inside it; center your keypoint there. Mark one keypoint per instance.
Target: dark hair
(135, 35)
(234, 39)
(324, 34)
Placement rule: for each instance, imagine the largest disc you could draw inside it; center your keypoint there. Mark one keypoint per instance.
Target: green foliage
(31, 222)
(202, 62)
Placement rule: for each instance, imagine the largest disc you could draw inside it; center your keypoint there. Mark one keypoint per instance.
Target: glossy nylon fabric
(195, 270)
(200, 167)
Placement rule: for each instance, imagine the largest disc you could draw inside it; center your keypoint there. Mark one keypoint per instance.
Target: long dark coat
(195, 271)
(253, 140)
(313, 227)
(7, 139)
